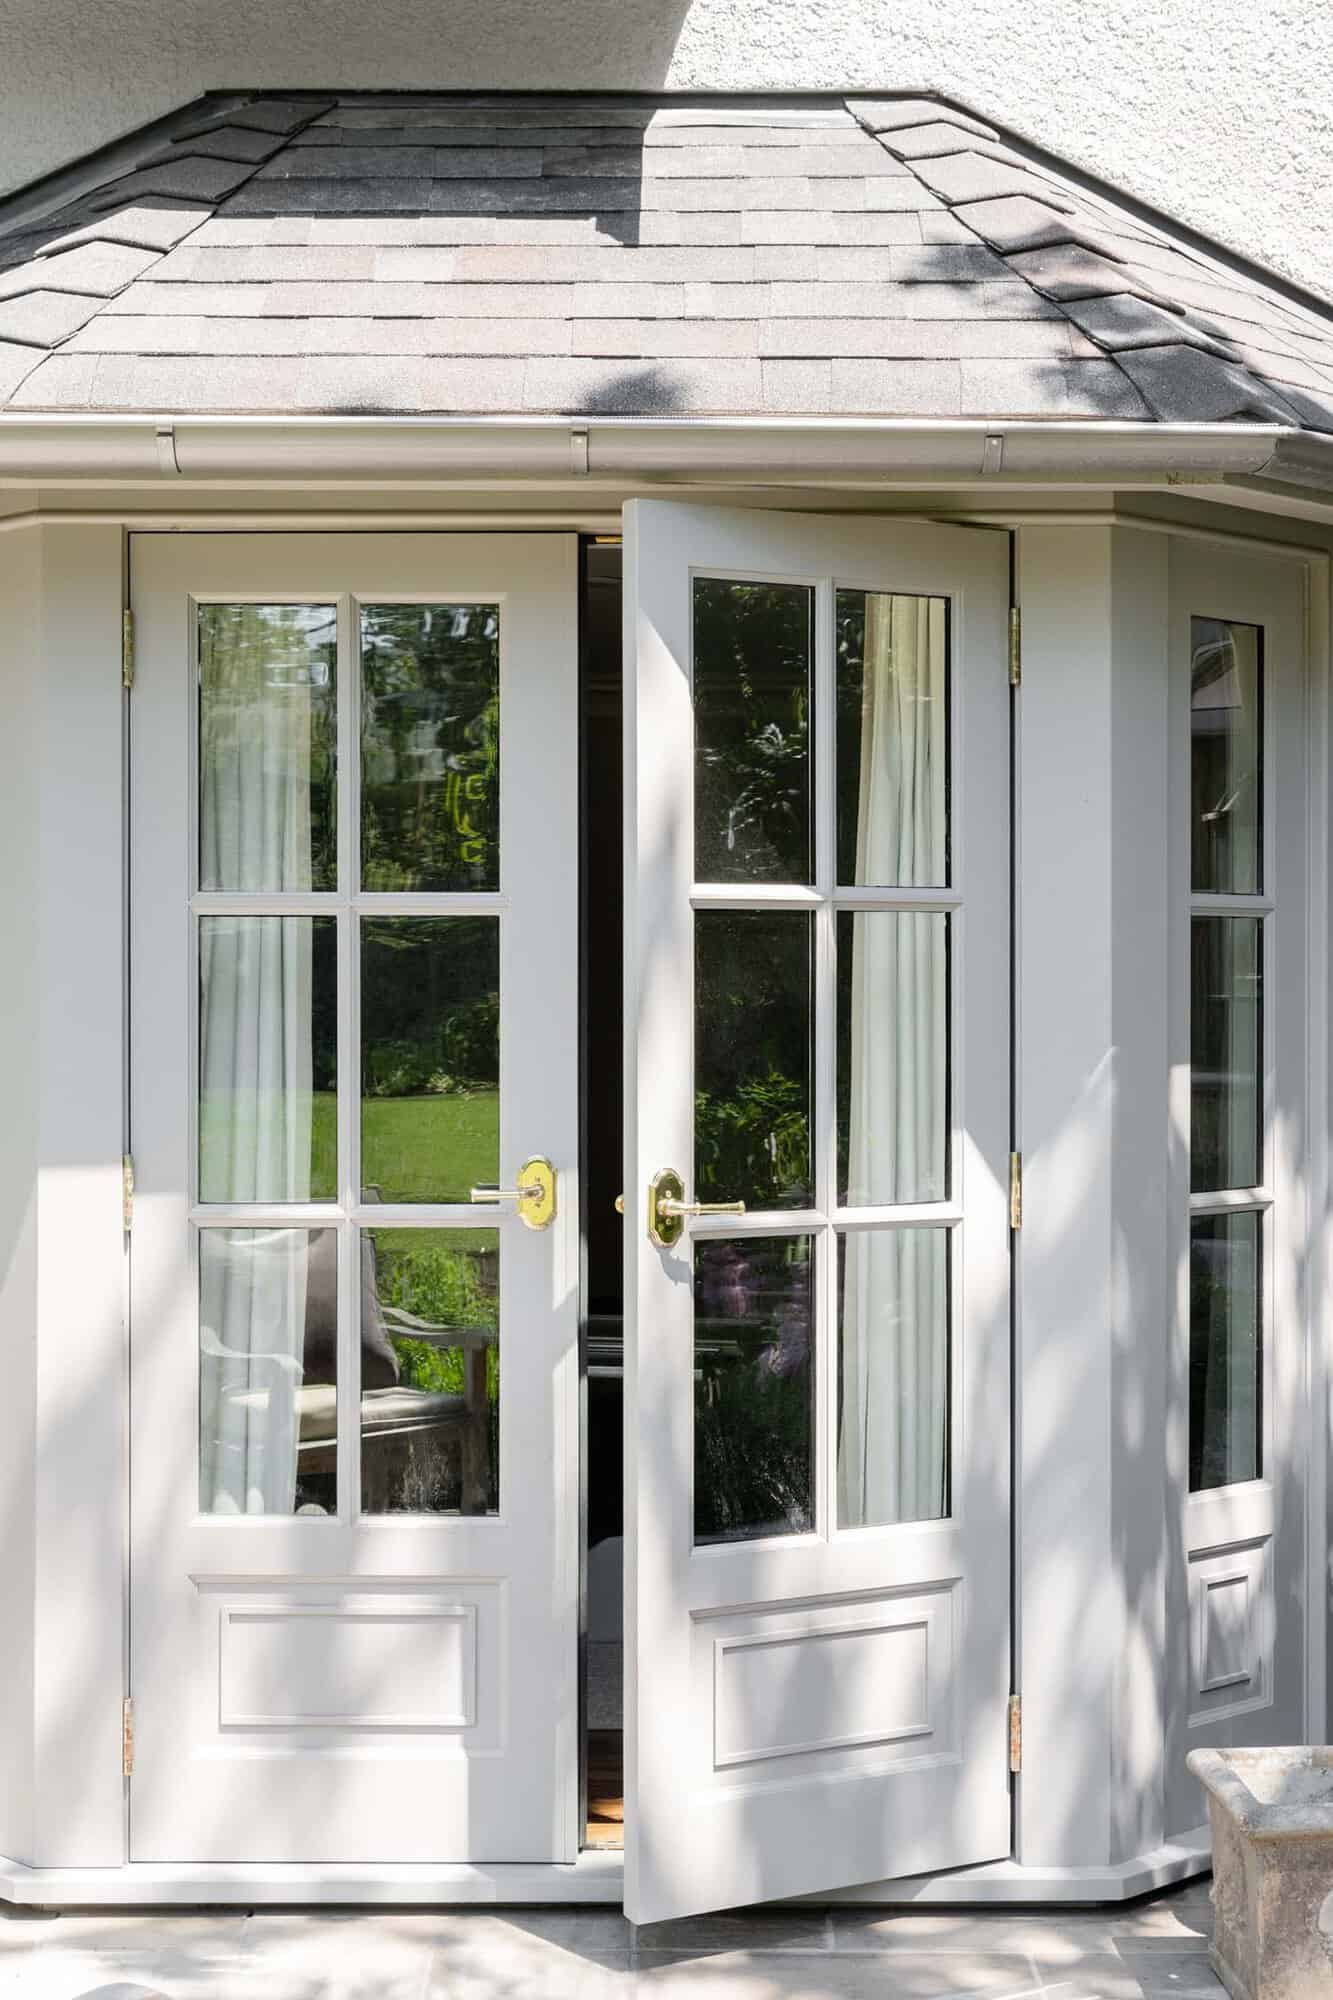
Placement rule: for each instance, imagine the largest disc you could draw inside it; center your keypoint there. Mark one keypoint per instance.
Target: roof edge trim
(347, 447)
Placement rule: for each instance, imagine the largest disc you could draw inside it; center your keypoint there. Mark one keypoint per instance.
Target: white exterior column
(62, 1418)
(1091, 1258)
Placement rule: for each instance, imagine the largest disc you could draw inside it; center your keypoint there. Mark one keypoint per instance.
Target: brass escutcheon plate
(665, 1231)
(537, 1199)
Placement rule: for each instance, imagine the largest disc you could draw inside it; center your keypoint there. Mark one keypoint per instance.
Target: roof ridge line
(208, 209)
(1267, 398)
(963, 223)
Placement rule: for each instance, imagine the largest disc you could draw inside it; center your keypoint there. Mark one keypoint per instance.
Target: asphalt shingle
(98, 269)
(44, 319)
(897, 114)
(435, 252)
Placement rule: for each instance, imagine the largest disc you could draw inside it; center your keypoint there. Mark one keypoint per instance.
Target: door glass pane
(753, 1387)
(267, 746)
(430, 1057)
(1226, 1350)
(893, 739)
(1226, 1006)
(267, 1059)
(893, 1057)
(430, 1371)
(1226, 752)
(430, 746)
(893, 1376)
(752, 1057)
(753, 649)
(268, 1357)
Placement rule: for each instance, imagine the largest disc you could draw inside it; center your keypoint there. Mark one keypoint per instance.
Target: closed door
(354, 1380)
(817, 1278)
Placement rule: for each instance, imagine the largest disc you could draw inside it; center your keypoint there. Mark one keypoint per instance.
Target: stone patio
(1138, 1951)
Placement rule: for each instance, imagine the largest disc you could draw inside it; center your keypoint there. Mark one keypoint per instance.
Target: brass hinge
(1015, 646)
(1015, 1190)
(127, 1737)
(1015, 1733)
(126, 1192)
(127, 648)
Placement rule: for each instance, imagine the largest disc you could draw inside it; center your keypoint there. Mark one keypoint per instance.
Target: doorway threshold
(598, 1876)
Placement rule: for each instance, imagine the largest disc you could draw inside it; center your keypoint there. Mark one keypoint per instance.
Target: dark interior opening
(602, 926)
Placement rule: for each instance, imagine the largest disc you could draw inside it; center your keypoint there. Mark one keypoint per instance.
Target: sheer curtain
(892, 1457)
(255, 1055)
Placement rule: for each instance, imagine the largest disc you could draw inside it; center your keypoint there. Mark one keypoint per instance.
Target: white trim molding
(596, 1877)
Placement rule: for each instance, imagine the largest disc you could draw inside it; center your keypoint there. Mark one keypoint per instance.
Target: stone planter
(1272, 1821)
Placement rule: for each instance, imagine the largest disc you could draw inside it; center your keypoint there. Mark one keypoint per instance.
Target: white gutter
(168, 448)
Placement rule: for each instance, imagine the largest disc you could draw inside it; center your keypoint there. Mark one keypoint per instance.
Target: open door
(817, 1021)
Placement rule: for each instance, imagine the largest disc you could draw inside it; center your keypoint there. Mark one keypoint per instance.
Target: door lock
(667, 1208)
(535, 1194)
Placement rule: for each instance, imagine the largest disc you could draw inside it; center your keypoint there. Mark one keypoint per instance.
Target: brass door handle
(535, 1194)
(667, 1208)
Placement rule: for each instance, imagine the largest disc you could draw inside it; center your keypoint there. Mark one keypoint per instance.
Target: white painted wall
(61, 1244)
(19, 646)
(1214, 112)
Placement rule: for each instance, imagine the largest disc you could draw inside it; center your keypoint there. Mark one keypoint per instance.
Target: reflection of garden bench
(398, 1412)
(391, 1416)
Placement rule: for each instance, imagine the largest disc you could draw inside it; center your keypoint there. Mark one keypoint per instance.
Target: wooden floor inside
(606, 1789)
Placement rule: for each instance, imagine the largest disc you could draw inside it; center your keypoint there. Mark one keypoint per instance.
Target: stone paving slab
(1141, 1951)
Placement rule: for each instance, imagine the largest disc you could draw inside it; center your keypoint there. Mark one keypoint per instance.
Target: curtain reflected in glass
(893, 740)
(267, 746)
(893, 1376)
(753, 1387)
(268, 1405)
(430, 1371)
(893, 1057)
(267, 1059)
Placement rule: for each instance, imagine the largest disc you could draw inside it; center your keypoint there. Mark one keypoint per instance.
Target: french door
(816, 1197)
(354, 1382)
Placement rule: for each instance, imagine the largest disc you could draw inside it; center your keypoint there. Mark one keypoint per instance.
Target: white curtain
(892, 1457)
(255, 1053)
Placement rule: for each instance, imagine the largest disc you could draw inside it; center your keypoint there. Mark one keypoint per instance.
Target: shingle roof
(438, 253)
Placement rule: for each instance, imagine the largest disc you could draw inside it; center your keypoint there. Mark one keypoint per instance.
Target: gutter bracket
(578, 452)
(992, 454)
(167, 463)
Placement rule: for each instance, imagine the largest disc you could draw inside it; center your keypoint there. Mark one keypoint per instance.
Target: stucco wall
(1219, 110)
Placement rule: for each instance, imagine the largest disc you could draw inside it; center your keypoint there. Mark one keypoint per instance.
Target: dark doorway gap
(601, 785)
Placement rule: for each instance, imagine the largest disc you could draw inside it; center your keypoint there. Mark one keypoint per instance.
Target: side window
(1229, 922)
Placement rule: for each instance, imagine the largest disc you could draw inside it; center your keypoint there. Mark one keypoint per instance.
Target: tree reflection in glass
(430, 746)
(1226, 1044)
(753, 1387)
(1226, 1350)
(752, 1057)
(1226, 756)
(752, 708)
